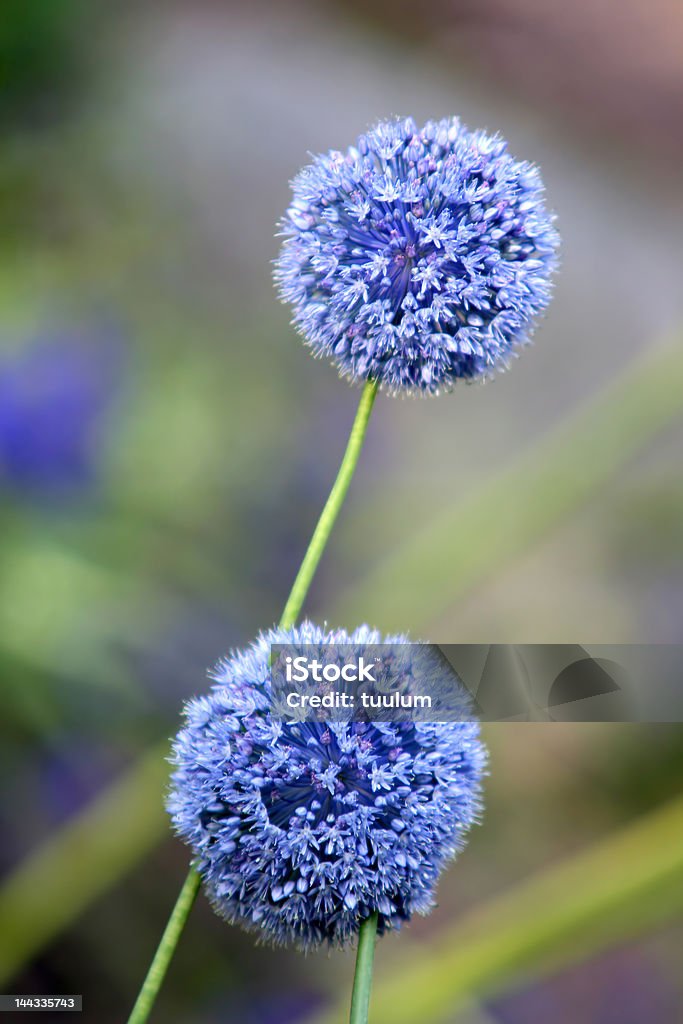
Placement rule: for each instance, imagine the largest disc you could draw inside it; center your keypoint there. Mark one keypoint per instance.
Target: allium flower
(54, 395)
(303, 830)
(417, 257)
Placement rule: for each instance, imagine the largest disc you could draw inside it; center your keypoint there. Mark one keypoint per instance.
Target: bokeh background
(166, 443)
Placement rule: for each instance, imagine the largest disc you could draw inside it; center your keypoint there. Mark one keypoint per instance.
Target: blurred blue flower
(302, 830)
(417, 257)
(54, 395)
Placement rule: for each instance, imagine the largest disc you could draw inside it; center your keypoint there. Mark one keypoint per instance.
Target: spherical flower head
(419, 256)
(302, 830)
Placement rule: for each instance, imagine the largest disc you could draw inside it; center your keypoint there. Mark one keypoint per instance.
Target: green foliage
(93, 851)
(39, 54)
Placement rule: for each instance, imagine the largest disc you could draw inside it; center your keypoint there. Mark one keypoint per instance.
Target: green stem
(362, 978)
(329, 514)
(165, 949)
(176, 923)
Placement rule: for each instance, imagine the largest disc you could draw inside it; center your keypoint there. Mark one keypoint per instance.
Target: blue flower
(418, 257)
(302, 830)
(54, 395)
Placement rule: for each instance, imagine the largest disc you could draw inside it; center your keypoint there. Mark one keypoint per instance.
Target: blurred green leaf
(70, 615)
(615, 890)
(80, 861)
(499, 520)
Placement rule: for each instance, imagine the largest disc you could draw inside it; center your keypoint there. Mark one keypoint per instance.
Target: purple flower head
(301, 830)
(53, 398)
(419, 256)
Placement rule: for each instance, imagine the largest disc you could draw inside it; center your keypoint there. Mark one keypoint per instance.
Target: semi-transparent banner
(491, 682)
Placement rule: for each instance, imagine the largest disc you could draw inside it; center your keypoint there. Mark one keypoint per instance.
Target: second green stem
(329, 514)
(362, 978)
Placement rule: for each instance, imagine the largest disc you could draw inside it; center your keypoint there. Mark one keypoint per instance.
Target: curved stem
(328, 516)
(165, 949)
(362, 978)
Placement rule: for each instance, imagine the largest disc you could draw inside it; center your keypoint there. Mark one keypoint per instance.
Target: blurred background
(166, 443)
